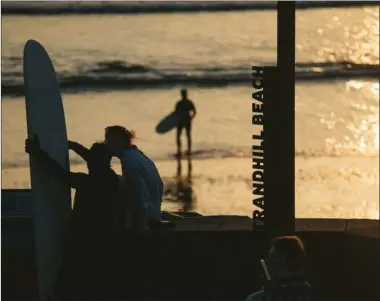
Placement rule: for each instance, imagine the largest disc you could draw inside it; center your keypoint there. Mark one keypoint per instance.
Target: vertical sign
(273, 146)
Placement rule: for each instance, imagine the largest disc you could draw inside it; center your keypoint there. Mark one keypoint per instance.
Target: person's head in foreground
(184, 93)
(287, 268)
(287, 258)
(99, 159)
(119, 139)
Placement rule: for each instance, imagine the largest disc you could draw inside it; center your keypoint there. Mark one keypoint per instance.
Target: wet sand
(223, 186)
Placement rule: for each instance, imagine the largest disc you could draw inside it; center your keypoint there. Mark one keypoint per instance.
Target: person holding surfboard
(125, 219)
(185, 110)
(96, 214)
(142, 179)
(96, 198)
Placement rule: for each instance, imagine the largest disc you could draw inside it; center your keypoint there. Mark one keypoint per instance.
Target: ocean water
(128, 68)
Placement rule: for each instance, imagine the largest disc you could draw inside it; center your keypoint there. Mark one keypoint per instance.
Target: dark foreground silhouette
(96, 198)
(96, 214)
(285, 273)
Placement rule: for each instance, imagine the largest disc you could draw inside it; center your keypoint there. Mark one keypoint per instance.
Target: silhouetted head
(183, 93)
(287, 257)
(119, 139)
(99, 158)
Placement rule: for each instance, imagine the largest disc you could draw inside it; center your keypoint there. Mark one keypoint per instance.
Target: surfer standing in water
(186, 112)
(143, 183)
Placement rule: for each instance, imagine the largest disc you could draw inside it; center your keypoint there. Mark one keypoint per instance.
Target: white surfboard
(51, 198)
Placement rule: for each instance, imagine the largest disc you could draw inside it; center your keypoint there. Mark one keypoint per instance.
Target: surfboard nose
(31, 44)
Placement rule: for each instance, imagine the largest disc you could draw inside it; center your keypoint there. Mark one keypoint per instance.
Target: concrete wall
(205, 265)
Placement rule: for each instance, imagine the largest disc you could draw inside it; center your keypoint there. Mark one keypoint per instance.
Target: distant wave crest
(116, 75)
(135, 7)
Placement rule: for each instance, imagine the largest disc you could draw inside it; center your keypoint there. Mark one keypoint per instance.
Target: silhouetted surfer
(186, 111)
(97, 193)
(129, 215)
(143, 183)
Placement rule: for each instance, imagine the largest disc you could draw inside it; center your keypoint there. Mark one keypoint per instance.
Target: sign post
(279, 128)
(273, 147)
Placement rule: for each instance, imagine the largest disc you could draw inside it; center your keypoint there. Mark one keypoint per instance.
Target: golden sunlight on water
(361, 38)
(361, 126)
(364, 46)
(367, 130)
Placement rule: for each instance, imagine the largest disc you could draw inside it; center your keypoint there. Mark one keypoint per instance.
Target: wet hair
(292, 251)
(100, 154)
(121, 132)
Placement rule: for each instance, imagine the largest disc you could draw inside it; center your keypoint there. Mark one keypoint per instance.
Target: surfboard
(51, 198)
(168, 123)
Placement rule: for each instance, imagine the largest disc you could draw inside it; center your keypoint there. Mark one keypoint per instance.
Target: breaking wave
(120, 75)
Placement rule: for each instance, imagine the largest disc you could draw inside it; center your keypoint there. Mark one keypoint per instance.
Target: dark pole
(279, 126)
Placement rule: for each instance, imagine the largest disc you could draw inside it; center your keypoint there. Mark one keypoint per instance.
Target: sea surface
(127, 68)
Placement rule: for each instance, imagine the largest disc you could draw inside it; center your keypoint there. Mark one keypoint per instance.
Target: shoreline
(223, 186)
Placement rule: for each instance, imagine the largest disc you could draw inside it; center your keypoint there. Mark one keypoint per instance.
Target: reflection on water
(360, 42)
(182, 191)
(362, 125)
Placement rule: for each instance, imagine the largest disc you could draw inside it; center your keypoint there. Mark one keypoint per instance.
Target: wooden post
(279, 128)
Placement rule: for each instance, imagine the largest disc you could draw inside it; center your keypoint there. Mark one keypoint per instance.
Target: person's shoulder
(256, 296)
(130, 154)
(132, 161)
